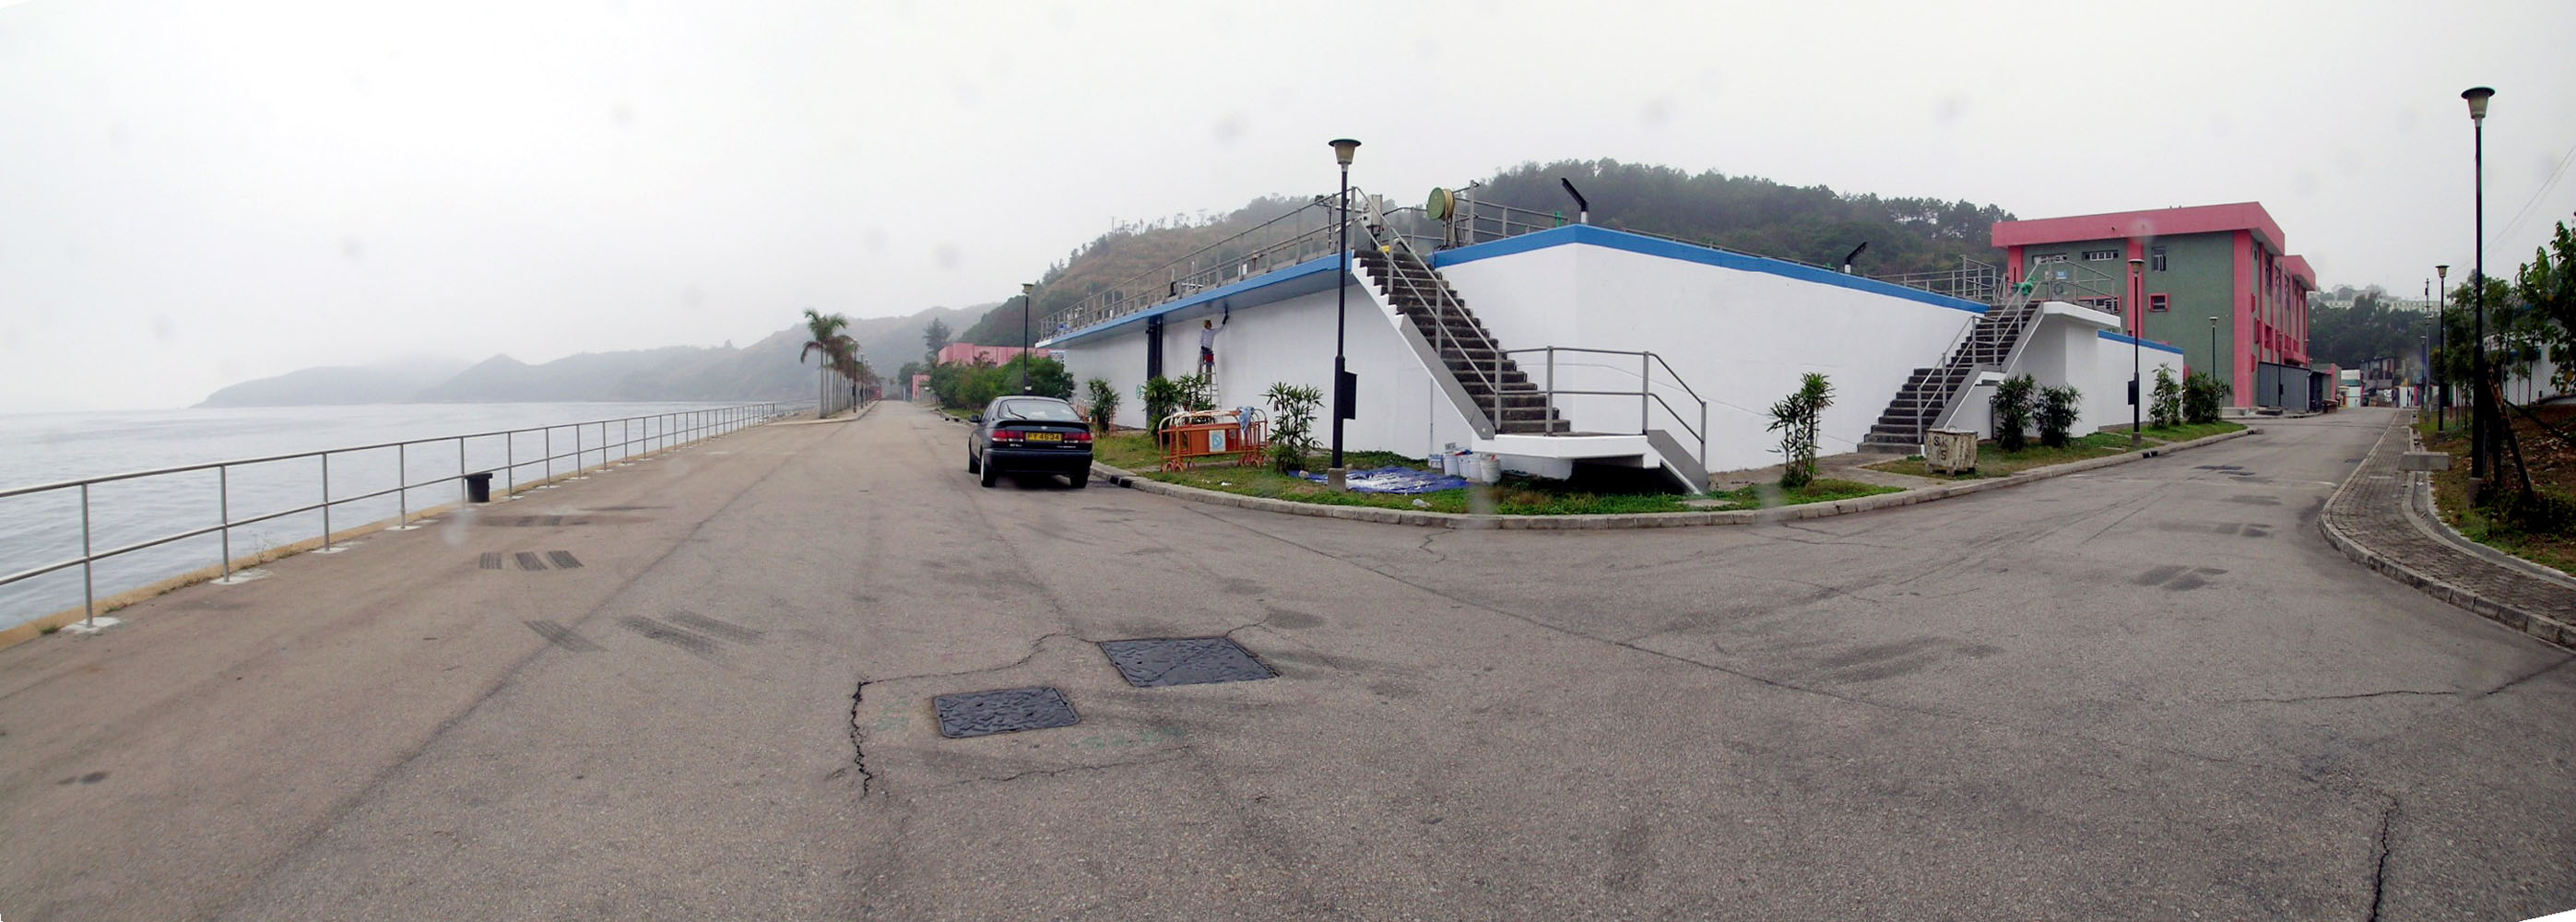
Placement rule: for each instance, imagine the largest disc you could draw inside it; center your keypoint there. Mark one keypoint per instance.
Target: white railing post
(326, 501)
(224, 512)
(402, 483)
(89, 584)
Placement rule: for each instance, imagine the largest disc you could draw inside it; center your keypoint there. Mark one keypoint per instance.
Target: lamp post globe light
(2481, 414)
(2441, 319)
(1343, 148)
(2137, 365)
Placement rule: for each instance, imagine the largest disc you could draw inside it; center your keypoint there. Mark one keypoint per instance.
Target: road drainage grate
(491, 560)
(1008, 710)
(2218, 467)
(564, 560)
(1183, 661)
(528, 560)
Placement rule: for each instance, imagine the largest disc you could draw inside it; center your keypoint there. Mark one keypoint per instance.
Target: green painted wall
(2199, 272)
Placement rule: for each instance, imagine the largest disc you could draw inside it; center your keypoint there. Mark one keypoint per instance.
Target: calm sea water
(45, 528)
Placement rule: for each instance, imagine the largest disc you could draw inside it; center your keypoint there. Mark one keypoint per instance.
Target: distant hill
(393, 382)
(1747, 214)
(765, 370)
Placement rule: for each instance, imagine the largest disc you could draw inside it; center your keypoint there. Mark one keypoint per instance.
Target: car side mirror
(976, 418)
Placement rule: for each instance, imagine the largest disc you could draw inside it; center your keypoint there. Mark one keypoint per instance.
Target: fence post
(550, 455)
(1548, 422)
(326, 501)
(402, 483)
(1645, 390)
(224, 512)
(510, 457)
(89, 584)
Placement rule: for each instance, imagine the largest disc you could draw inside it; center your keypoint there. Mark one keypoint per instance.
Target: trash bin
(1950, 451)
(478, 487)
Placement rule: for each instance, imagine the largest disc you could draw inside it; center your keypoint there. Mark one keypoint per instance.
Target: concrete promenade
(2148, 691)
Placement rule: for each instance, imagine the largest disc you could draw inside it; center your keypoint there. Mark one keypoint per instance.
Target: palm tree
(827, 337)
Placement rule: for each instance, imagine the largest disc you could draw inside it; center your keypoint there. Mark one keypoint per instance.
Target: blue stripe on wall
(1668, 249)
(2124, 340)
(1247, 286)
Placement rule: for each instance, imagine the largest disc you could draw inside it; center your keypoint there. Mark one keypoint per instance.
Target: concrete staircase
(1930, 391)
(1491, 380)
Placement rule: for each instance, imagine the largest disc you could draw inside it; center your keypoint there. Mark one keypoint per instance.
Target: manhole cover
(1007, 710)
(1183, 661)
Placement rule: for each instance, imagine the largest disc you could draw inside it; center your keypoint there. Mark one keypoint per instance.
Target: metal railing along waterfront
(634, 437)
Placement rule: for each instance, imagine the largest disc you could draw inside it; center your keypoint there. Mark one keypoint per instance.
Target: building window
(2106, 305)
(2156, 303)
(2095, 256)
(2046, 258)
(2156, 258)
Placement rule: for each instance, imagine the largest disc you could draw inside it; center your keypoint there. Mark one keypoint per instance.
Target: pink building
(971, 354)
(2218, 283)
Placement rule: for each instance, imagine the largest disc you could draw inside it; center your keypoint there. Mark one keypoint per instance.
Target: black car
(1033, 435)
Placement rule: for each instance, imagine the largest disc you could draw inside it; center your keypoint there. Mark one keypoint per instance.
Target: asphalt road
(2147, 692)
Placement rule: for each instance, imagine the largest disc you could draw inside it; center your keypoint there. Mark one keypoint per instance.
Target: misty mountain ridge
(765, 370)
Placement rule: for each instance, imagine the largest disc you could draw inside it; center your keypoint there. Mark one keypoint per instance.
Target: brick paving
(2368, 520)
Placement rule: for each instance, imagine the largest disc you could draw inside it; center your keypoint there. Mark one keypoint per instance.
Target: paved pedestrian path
(2369, 519)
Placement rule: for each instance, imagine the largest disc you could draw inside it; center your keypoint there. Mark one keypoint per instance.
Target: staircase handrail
(1440, 300)
(1645, 389)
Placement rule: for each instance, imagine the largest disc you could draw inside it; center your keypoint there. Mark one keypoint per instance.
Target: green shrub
(2202, 396)
(2058, 411)
(1292, 425)
(2166, 411)
(1197, 392)
(2011, 407)
(1104, 403)
(1161, 396)
(1795, 417)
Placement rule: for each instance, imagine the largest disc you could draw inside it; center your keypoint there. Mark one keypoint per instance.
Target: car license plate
(1045, 436)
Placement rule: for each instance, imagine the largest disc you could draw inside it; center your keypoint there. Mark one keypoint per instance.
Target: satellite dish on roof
(1443, 204)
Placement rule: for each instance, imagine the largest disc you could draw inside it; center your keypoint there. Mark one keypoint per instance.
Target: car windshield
(1045, 411)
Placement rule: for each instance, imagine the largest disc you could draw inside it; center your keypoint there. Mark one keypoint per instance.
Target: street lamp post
(1343, 148)
(2137, 364)
(2441, 322)
(2481, 414)
(2213, 346)
(1028, 302)
(2423, 377)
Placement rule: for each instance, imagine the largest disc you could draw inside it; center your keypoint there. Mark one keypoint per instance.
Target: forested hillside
(1747, 214)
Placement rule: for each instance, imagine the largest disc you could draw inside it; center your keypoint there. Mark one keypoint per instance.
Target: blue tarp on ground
(1395, 480)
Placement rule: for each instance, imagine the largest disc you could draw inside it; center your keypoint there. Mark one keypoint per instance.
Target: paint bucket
(1489, 469)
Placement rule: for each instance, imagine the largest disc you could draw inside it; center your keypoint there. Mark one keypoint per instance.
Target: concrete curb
(2531, 623)
(1459, 520)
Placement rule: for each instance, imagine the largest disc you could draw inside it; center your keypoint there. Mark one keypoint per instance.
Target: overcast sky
(198, 193)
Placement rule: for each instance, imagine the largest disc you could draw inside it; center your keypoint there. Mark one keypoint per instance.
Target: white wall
(1740, 337)
(1291, 341)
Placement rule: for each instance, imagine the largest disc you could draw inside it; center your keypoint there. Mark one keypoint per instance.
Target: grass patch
(1821, 490)
(2189, 431)
(1516, 495)
(1995, 462)
(2553, 472)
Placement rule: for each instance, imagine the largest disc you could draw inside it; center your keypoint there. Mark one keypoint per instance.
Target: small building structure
(2219, 282)
(972, 354)
(1566, 347)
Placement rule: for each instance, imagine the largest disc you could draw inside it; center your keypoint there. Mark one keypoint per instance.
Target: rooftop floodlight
(2477, 97)
(1344, 147)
